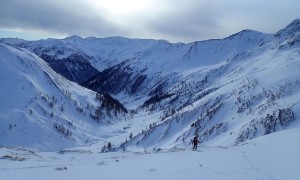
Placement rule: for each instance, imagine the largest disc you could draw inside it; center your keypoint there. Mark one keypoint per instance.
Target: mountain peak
(294, 23)
(289, 30)
(247, 33)
(74, 38)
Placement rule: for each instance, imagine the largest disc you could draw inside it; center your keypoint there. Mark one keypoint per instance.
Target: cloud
(187, 20)
(206, 19)
(55, 16)
(174, 20)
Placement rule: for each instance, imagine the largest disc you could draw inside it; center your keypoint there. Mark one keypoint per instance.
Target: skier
(195, 142)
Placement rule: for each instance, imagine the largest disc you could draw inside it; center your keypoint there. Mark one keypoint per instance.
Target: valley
(100, 104)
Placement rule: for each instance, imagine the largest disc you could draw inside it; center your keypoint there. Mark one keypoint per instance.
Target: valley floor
(274, 156)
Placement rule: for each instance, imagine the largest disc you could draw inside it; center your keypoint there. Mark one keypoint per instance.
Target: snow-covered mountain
(225, 90)
(43, 110)
(75, 58)
(63, 57)
(147, 71)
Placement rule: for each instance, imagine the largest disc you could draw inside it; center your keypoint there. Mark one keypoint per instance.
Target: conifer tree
(109, 145)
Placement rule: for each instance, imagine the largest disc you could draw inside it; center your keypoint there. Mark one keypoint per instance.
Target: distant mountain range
(224, 90)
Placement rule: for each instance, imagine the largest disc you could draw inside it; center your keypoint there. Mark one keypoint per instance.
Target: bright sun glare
(121, 7)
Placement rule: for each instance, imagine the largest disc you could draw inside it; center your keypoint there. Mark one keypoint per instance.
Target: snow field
(274, 156)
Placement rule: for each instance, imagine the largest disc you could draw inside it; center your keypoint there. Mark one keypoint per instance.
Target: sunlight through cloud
(120, 7)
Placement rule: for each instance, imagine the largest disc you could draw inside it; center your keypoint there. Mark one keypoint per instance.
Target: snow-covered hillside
(275, 156)
(142, 103)
(152, 69)
(65, 59)
(225, 90)
(41, 109)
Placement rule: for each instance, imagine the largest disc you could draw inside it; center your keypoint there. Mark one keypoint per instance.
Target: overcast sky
(173, 20)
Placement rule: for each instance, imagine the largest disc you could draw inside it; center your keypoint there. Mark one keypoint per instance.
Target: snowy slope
(251, 94)
(275, 156)
(65, 59)
(225, 90)
(240, 94)
(43, 110)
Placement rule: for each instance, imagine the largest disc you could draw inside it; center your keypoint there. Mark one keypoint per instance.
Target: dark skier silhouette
(195, 143)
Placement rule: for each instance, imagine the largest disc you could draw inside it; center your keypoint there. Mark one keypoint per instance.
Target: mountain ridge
(226, 91)
(41, 109)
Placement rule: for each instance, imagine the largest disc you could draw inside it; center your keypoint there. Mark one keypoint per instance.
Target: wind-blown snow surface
(269, 157)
